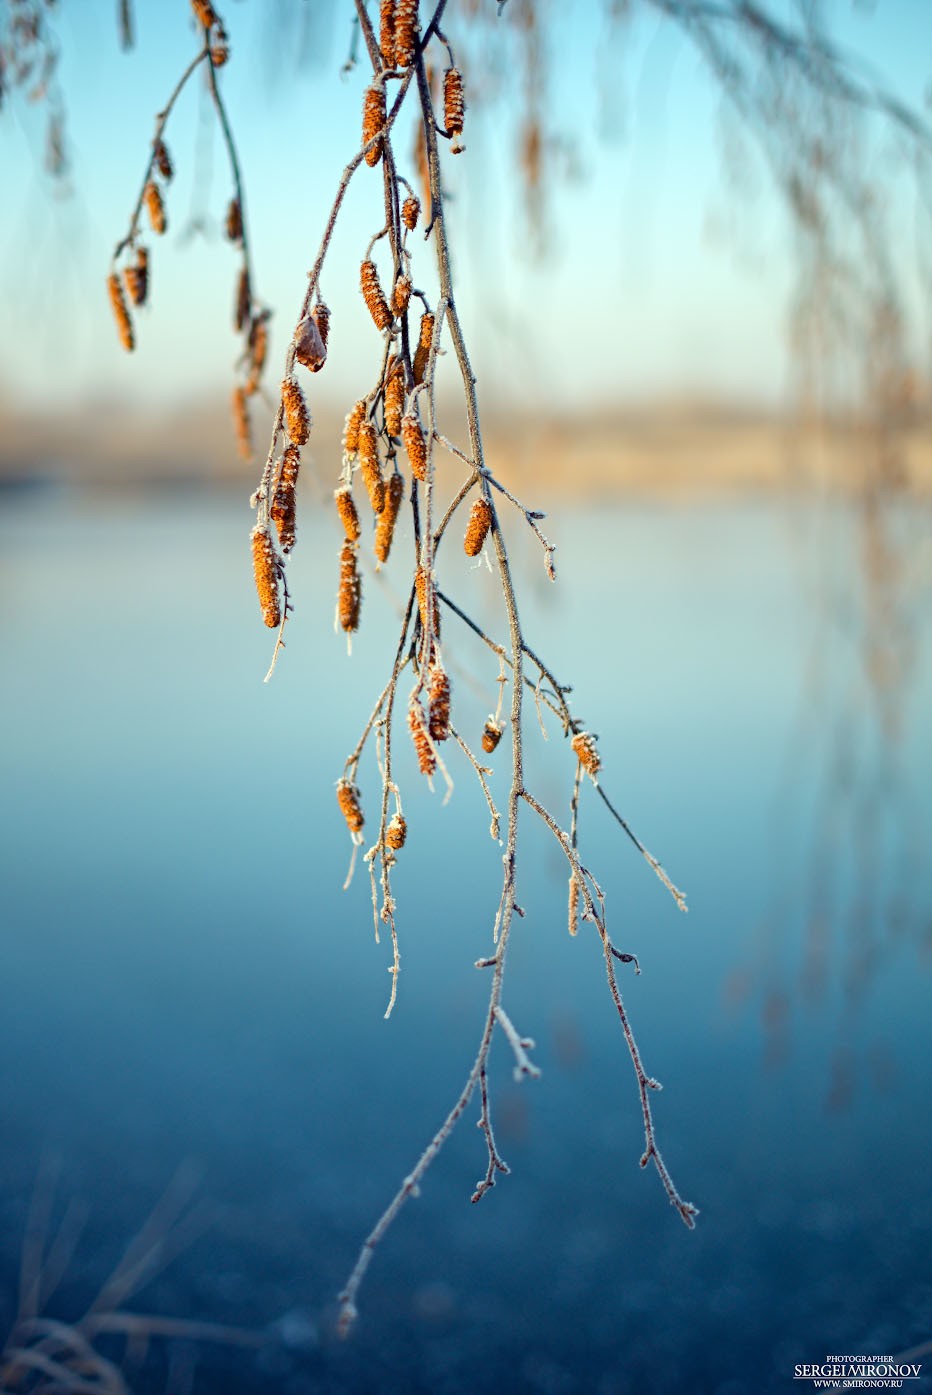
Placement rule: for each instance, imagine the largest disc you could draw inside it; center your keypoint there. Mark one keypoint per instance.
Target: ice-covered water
(185, 983)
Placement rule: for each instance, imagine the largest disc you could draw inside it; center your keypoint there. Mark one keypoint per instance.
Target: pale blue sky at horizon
(658, 279)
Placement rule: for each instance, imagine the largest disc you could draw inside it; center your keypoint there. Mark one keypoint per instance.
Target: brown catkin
(415, 445)
(453, 105)
(351, 428)
(426, 757)
(234, 222)
(137, 278)
(266, 570)
(491, 735)
(387, 32)
(321, 318)
(369, 466)
(375, 300)
(350, 805)
(163, 160)
(291, 464)
(385, 527)
(205, 12)
(283, 508)
(295, 411)
(241, 422)
(220, 48)
(422, 352)
(243, 301)
(401, 295)
(406, 30)
(346, 508)
(410, 211)
(155, 207)
(427, 592)
(422, 163)
(477, 529)
(373, 119)
(258, 349)
(120, 312)
(396, 832)
(587, 752)
(394, 400)
(349, 599)
(439, 704)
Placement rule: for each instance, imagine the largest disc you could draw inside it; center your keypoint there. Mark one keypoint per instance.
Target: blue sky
(658, 278)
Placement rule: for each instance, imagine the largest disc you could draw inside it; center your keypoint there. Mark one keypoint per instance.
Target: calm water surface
(187, 991)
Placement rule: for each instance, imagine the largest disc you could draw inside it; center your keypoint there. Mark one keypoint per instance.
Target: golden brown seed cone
(137, 278)
(477, 529)
(406, 31)
(385, 527)
(453, 102)
(532, 154)
(346, 508)
(351, 428)
(422, 164)
(369, 466)
(349, 598)
(321, 317)
(396, 832)
(491, 735)
(373, 119)
(387, 32)
(375, 300)
(234, 221)
(266, 572)
(414, 443)
(163, 161)
(283, 514)
(309, 347)
(243, 301)
(295, 411)
(394, 401)
(410, 211)
(120, 313)
(258, 350)
(422, 352)
(439, 700)
(375, 485)
(284, 504)
(241, 423)
(587, 752)
(134, 284)
(401, 295)
(155, 207)
(220, 48)
(426, 758)
(427, 592)
(291, 464)
(350, 806)
(205, 12)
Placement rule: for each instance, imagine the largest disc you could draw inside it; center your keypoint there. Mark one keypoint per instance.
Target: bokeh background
(191, 1005)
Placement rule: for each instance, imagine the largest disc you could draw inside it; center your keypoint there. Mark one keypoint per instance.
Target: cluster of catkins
(310, 350)
(135, 271)
(249, 320)
(380, 430)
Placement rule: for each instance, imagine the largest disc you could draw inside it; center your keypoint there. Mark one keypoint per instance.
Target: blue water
(185, 984)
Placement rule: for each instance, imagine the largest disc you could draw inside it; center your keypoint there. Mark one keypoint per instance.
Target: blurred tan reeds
(47, 1354)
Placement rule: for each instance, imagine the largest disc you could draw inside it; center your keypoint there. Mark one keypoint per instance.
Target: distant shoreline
(676, 451)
